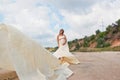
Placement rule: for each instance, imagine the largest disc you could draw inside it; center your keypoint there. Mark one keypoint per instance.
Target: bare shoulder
(57, 36)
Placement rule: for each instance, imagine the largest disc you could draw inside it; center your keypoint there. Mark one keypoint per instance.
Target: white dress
(29, 59)
(63, 51)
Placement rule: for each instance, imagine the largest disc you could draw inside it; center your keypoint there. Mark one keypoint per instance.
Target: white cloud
(31, 20)
(77, 6)
(86, 24)
(83, 17)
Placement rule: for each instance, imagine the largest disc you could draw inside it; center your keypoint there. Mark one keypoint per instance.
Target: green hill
(108, 40)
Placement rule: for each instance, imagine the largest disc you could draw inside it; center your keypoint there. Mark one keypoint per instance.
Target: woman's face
(61, 31)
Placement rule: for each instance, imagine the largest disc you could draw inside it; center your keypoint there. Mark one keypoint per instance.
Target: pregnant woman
(63, 53)
(28, 58)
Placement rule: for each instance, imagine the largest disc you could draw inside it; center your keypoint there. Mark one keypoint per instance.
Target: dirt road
(97, 66)
(93, 66)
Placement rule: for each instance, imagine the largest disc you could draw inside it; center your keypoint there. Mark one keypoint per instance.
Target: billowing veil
(29, 59)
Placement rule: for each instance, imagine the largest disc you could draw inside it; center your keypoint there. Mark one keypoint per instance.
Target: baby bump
(61, 42)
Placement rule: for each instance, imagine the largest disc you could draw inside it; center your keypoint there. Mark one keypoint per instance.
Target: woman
(29, 59)
(63, 53)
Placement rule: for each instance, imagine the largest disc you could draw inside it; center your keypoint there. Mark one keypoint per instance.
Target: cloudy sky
(42, 19)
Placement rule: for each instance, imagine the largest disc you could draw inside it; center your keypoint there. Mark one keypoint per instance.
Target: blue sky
(42, 19)
(1, 17)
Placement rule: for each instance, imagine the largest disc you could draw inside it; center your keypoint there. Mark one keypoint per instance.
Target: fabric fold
(28, 58)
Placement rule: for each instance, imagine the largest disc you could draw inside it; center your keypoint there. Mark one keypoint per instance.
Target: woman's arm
(65, 40)
(58, 40)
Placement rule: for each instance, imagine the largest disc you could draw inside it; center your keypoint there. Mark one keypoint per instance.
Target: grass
(97, 49)
(90, 49)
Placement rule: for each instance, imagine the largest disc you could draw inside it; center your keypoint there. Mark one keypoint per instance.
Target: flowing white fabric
(63, 51)
(30, 60)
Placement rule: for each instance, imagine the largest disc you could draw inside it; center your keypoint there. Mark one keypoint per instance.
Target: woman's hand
(65, 40)
(64, 43)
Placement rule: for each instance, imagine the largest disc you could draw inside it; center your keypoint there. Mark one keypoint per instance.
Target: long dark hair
(62, 31)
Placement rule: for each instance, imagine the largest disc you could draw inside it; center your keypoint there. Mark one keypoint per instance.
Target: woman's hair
(62, 30)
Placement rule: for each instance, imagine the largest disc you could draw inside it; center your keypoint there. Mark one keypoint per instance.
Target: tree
(70, 44)
(92, 37)
(100, 42)
(118, 22)
(109, 28)
(86, 41)
(97, 31)
(77, 46)
(74, 41)
(102, 34)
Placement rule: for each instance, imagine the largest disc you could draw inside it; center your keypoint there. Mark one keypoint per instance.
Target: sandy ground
(97, 66)
(8, 75)
(93, 66)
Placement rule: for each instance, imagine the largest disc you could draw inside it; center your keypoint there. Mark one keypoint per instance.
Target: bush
(97, 31)
(92, 37)
(109, 28)
(106, 44)
(118, 22)
(102, 34)
(86, 42)
(100, 42)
